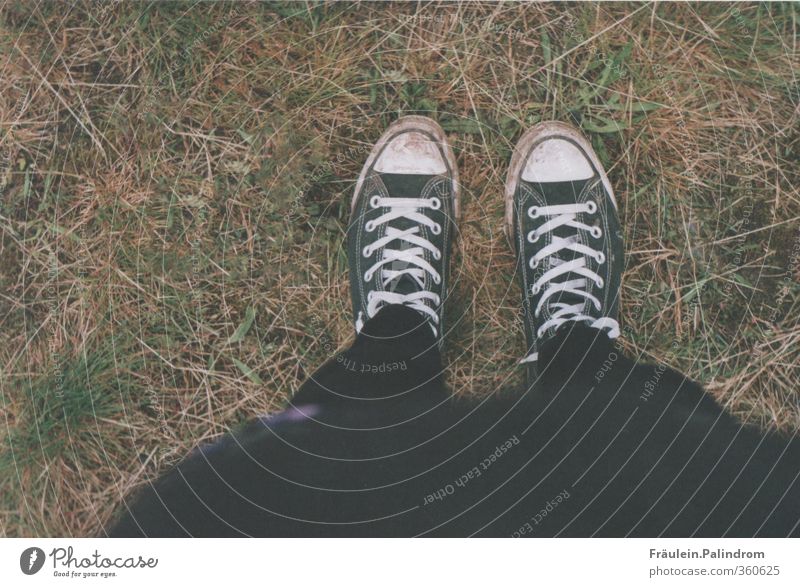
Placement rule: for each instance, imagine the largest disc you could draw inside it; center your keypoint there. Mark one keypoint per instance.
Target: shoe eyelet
(535, 289)
(374, 201)
(370, 296)
(437, 279)
(533, 212)
(438, 300)
(596, 232)
(600, 283)
(367, 277)
(533, 263)
(369, 226)
(539, 333)
(437, 255)
(436, 229)
(600, 258)
(533, 237)
(435, 203)
(367, 251)
(592, 207)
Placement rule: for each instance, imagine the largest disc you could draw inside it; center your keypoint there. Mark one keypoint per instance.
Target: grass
(174, 181)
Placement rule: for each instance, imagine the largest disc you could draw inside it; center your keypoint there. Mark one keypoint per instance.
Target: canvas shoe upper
(402, 222)
(561, 217)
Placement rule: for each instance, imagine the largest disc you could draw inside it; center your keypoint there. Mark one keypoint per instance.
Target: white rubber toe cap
(556, 160)
(411, 153)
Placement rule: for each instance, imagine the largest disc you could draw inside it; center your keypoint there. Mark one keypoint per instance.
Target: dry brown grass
(172, 172)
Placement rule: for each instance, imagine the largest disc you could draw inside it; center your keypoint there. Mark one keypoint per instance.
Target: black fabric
(602, 447)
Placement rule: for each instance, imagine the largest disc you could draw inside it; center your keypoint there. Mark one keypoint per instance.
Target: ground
(174, 188)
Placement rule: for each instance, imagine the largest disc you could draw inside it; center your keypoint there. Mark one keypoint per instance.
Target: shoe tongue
(400, 185)
(561, 193)
(403, 186)
(403, 285)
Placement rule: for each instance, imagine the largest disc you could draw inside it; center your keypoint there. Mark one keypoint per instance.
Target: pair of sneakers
(561, 218)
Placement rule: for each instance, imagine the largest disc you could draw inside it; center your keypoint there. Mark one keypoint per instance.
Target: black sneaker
(402, 221)
(561, 218)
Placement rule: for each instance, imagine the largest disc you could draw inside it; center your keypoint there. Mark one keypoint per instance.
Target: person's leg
(394, 358)
(330, 463)
(364, 423)
(618, 448)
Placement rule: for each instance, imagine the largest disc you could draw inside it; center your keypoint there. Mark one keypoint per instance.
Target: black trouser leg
(393, 361)
(643, 451)
(354, 429)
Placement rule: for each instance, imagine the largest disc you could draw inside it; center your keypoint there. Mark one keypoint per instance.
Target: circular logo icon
(31, 560)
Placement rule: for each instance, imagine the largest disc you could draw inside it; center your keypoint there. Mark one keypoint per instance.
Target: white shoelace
(412, 256)
(566, 215)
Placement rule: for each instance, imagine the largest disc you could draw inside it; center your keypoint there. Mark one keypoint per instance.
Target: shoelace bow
(561, 312)
(416, 266)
